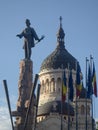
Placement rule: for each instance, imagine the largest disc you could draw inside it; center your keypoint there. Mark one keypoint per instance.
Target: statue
(29, 35)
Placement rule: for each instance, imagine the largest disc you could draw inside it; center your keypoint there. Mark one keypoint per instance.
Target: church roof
(60, 56)
(55, 107)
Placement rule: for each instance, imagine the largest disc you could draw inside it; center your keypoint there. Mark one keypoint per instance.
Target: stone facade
(51, 91)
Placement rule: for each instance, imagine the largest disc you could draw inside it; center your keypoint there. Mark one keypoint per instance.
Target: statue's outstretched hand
(18, 35)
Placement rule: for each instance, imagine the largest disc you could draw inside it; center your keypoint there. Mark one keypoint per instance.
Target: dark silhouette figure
(29, 35)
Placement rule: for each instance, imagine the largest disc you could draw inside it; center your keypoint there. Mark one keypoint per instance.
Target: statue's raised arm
(30, 36)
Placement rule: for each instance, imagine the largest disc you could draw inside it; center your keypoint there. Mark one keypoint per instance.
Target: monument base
(24, 91)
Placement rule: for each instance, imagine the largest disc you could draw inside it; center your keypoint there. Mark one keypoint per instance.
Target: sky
(80, 24)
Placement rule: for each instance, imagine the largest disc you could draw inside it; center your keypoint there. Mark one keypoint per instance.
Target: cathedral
(74, 112)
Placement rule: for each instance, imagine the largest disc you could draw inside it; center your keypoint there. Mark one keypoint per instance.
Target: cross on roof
(60, 21)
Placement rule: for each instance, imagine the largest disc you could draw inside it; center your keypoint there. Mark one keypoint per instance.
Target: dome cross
(60, 21)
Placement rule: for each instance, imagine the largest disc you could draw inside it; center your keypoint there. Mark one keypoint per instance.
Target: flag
(94, 84)
(70, 85)
(64, 87)
(89, 83)
(78, 81)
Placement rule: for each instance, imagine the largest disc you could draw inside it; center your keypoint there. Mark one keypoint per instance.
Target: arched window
(82, 110)
(42, 87)
(47, 86)
(88, 110)
(59, 85)
(65, 117)
(41, 118)
(52, 85)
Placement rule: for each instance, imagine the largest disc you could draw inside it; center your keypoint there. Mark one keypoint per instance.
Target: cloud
(4, 119)
(5, 123)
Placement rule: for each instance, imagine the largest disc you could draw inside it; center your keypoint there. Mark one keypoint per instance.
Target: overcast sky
(80, 23)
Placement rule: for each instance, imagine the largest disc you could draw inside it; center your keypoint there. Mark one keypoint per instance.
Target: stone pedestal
(24, 88)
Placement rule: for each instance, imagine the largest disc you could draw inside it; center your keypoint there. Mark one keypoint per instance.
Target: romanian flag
(78, 82)
(70, 85)
(64, 87)
(89, 83)
(94, 81)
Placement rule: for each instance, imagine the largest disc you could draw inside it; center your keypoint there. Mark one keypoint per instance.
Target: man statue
(29, 35)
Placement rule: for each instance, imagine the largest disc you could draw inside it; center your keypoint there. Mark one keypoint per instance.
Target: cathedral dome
(60, 57)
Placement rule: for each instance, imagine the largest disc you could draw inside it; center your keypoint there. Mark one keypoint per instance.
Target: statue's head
(28, 22)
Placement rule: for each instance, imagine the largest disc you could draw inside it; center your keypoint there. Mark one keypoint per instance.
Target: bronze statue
(29, 35)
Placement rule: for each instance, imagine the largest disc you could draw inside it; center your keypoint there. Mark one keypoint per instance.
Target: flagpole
(8, 102)
(68, 100)
(61, 115)
(76, 115)
(37, 102)
(91, 58)
(61, 98)
(76, 99)
(31, 97)
(86, 94)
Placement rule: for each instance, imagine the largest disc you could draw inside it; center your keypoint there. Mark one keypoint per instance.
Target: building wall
(51, 84)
